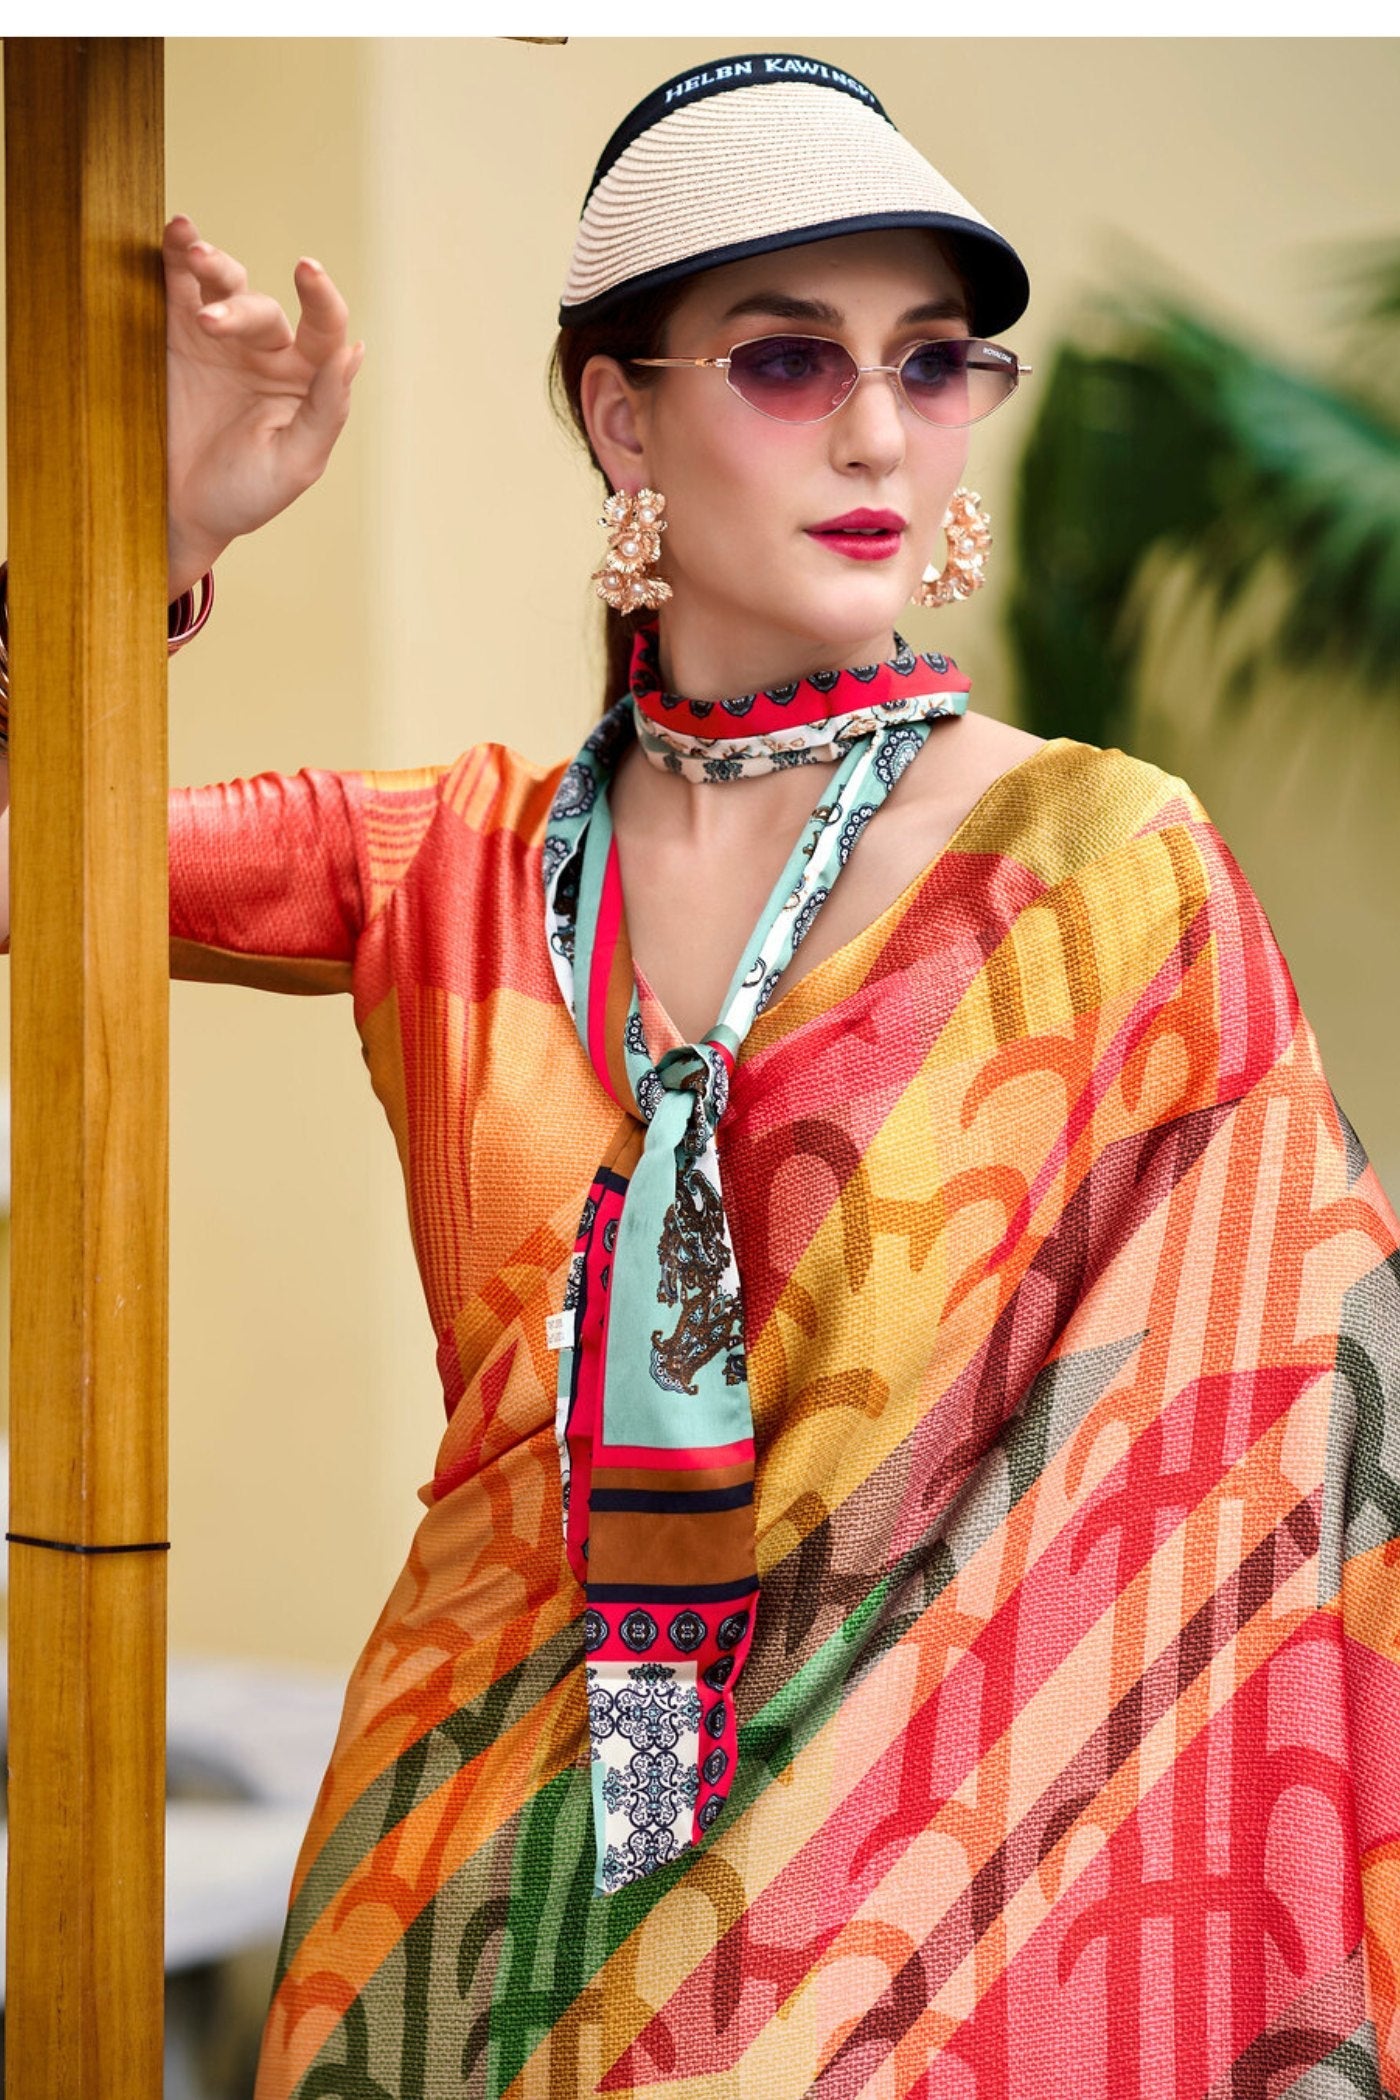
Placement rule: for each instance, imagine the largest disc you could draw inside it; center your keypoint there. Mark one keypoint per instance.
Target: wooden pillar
(90, 961)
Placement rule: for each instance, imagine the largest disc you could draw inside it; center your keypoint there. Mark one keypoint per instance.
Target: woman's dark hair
(637, 329)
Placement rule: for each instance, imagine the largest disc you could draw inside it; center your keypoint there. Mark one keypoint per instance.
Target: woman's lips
(857, 546)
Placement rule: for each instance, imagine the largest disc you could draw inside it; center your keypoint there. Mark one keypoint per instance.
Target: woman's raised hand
(254, 406)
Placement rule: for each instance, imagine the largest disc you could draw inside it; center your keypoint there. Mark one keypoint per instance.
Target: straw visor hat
(764, 151)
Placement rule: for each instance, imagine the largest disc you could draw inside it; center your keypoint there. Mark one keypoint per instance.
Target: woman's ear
(614, 412)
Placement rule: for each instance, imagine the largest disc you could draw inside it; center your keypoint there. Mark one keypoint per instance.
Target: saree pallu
(1070, 1736)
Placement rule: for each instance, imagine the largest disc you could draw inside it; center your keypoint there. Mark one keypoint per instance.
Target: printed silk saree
(1069, 1740)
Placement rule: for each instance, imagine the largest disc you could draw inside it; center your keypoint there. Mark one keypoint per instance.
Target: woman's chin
(850, 610)
(846, 615)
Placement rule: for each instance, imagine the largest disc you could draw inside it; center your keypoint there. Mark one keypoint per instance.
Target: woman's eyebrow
(786, 307)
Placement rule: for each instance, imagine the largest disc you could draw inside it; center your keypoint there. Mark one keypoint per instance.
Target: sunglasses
(805, 378)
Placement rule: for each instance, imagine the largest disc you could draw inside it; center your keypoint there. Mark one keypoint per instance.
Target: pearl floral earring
(969, 536)
(635, 526)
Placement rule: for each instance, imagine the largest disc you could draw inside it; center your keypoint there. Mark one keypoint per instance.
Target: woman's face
(755, 581)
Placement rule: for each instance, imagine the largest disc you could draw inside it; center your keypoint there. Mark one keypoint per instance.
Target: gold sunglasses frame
(895, 372)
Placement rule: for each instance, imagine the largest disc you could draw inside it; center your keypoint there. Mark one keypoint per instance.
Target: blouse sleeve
(273, 879)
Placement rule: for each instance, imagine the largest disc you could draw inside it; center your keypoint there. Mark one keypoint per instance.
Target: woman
(906, 1602)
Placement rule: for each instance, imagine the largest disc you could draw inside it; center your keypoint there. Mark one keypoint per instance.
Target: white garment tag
(559, 1330)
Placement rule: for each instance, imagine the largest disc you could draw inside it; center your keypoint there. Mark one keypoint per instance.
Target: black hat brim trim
(1000, 287)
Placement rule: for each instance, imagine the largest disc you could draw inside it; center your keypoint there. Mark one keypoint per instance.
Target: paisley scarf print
(653, 1422)
(810, 721)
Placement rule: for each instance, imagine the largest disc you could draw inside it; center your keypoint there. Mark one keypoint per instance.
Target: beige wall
(432, 591)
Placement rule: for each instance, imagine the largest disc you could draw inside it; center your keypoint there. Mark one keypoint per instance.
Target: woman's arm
(254, 408)
(274, 879)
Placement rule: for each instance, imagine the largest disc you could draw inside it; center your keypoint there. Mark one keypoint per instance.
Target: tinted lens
(958, 380)
(796, 378)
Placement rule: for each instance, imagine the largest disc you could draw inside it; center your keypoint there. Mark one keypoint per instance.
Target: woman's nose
(868, 428)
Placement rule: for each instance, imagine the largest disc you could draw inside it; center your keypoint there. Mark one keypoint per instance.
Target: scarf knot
(690, 1086)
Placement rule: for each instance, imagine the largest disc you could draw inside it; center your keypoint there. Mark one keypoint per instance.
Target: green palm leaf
(1167, 438)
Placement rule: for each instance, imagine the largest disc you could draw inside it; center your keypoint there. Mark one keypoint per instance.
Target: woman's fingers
(195, 270)
(212, 287)
(321, 328)
(254, 318)
(217, 275)
(306, 442)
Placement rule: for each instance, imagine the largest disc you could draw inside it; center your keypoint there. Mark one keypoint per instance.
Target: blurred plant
(1162, 439)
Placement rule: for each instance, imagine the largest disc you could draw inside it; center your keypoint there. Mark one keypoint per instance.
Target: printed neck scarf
(809, 722)
(653, 1418)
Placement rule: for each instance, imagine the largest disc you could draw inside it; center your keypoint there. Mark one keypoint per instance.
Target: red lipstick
(861, 535)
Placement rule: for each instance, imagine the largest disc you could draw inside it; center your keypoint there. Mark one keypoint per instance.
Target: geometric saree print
(1069, 1736)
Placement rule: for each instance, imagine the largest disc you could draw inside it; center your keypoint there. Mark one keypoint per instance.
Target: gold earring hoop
(635, 526)
(969, 536)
